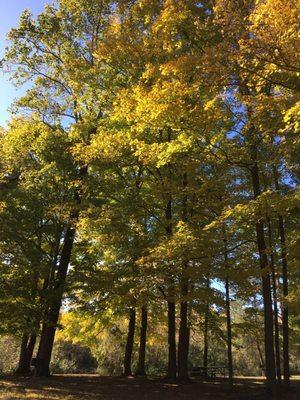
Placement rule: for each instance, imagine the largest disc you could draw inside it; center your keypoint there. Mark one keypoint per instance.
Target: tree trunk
(49, 327)
(172, 366)
(30, 349)
(229, 334)
(26, 352)
(23, 355)
(172, 362)
(261, 358)
(266, 285)
(129, 342)
(205, 333)
(228, 312)
(275, 305)
(285, 310)
(276, 327)
(183, 341)
(141, 371)
(52, 315)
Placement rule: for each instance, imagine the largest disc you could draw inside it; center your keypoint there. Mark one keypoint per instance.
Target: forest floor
(92, 387)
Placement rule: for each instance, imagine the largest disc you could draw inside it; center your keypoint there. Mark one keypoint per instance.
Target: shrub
(72, 358)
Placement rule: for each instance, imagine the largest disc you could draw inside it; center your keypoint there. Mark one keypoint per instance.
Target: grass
(93, 387)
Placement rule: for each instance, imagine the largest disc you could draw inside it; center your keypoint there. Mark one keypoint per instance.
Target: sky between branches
(10, 11)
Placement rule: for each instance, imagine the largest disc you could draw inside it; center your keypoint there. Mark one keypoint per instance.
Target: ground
(92, 387)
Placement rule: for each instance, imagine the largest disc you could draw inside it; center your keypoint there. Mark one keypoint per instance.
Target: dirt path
(92, 387)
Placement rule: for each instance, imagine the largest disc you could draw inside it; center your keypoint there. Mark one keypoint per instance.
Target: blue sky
(9, 16)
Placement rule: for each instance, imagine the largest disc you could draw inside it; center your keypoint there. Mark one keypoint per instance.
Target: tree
(150, 164)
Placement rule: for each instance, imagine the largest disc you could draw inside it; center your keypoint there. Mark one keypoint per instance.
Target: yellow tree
(162, 111)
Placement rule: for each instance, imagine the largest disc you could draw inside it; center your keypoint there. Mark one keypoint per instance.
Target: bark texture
(172, 359)
(183, 342)
(266, 284)
(275, 306)
(26, 352)
(49, 326)
(129, 342)
(205, 330)
(141, 370)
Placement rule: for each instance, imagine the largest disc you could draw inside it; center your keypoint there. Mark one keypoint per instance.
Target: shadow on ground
(92, 387)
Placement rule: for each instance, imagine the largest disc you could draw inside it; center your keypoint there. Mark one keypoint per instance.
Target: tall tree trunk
(49, 326)
(172, 362)
(228, 312)
(205, 332)
(266, 285)
(261, 358)
(285, 310)
(23, 355)
(183, 340)
(28, 341)
(30, 349)
(129, 342)
(229, 334)
(26, 352)
(141, 371)
(275, 305)
(52, 315)
(172, 366)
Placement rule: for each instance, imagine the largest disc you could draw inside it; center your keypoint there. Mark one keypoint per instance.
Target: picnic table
(209, 372)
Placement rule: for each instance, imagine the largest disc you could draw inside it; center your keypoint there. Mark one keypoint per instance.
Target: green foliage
(141, 129)
(72, 358)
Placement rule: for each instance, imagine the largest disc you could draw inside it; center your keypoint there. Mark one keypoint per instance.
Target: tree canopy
(150, 174)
